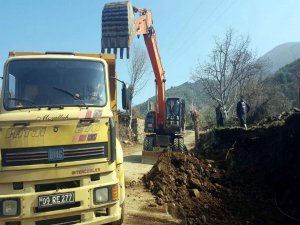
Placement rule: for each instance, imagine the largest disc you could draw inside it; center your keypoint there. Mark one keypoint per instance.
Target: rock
(163, 188)
(209, 161)
(194, 183)
(152, 205)
(203, 218)
(195, 193)
(132, 183)
(159, 201)
(296, 109)
(160, 193)
(215, 177)
(151, 185)
(159, 166)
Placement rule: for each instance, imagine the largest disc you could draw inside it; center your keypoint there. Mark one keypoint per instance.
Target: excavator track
(118, 27)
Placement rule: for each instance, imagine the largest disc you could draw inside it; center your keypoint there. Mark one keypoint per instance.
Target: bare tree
(138, 68)
(195, 119)
(230, 65)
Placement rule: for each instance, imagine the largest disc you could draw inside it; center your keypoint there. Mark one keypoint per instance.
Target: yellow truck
(60, 161)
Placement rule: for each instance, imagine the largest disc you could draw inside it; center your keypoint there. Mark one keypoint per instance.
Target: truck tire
(120, 221)
(180, 145)
(146, 144)
(151, 143)
(175, 145)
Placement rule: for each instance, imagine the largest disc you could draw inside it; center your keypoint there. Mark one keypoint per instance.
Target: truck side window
(12, 86)
(11, 89)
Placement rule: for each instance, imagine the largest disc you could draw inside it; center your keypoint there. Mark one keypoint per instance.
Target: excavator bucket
(150, 157)
(118, 27)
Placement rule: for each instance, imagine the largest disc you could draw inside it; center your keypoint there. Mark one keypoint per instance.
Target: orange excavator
(165, 125)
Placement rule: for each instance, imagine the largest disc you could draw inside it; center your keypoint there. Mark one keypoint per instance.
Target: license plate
(56, 199)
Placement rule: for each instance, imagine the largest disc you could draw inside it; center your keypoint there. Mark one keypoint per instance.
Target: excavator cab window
(175, 120)
(173, 108)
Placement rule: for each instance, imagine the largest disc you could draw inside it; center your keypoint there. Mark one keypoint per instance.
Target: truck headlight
(101, 195)
(106, 194)
(9, 207)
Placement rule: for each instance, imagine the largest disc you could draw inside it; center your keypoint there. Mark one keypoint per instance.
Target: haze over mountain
(281, 55)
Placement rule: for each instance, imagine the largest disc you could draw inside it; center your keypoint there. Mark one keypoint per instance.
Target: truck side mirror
(125, 97)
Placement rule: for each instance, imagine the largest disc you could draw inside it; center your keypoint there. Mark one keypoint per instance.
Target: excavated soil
(236, 176)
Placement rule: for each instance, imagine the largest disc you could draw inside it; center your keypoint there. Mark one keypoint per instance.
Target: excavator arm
(118, 29)
(144, 26)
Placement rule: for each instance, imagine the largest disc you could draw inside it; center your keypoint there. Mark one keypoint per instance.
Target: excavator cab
(175, 115)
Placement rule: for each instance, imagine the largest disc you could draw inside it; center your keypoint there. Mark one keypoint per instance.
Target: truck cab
(60, 161)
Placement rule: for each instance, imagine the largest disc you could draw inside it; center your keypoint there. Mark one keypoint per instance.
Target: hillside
(288, 80)
(281, 55)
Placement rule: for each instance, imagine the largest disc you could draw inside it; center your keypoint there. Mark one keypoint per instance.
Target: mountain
(190, 92)
(287, 79)
(280, 56)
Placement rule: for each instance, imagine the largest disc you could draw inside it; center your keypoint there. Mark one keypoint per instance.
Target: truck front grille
(57, 186)
(40, 155)
(60, 221)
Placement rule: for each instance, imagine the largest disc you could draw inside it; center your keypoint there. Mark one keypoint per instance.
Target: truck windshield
(54, 83)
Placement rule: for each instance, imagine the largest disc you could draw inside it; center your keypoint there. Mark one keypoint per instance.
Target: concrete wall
(138, 130)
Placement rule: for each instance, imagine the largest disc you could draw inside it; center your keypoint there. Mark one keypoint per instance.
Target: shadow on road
(133, 158)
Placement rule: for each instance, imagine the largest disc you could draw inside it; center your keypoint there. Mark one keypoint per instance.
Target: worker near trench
(242, 108)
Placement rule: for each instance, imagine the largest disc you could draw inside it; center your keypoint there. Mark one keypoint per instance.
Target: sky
(186, 30)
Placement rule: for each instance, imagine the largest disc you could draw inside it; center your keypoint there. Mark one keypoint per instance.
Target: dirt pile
(238, 177)
(276, 119)
(195, 190)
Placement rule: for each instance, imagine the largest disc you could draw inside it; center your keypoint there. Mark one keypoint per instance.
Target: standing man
(242, 108)
(220, 116)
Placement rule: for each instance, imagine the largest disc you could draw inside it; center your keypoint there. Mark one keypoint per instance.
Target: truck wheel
(151, 143)
(180, 145)
(120, 221)
(175, 145)
(146, 143)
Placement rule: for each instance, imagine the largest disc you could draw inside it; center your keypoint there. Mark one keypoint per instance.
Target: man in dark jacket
(242, 108)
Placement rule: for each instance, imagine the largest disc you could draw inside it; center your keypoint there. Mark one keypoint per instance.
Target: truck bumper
(85, 211)
(109, 214)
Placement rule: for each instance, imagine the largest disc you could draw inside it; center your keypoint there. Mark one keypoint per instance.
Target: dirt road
(140, 203)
